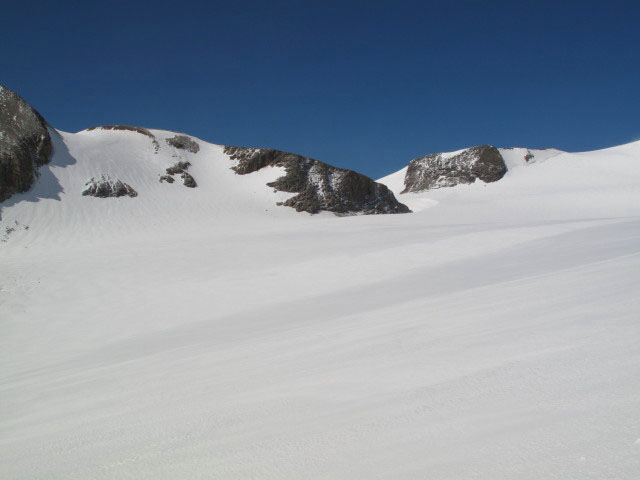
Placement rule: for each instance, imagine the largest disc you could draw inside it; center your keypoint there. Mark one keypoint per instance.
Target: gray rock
(440, 170)
(25, 144)
(184, 143)
(105, 187)
(178, 168)
(188, 180)
(319, 186)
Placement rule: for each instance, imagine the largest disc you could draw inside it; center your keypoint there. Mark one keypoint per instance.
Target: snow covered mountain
(537, 184)
(162, 317)
(115, 161)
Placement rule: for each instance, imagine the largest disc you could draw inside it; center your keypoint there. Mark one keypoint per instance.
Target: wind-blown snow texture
(208, 333)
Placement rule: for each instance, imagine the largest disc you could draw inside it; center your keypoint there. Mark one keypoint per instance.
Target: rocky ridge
(129, 128)
(319, 186)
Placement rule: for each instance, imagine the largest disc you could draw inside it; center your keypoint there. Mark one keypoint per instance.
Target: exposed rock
(178, 168)
(9, 230)
(25, 144)
(184, 143)
(129, 128)
(319, 186)
(105, 187)
(188, 180)
(449, 169)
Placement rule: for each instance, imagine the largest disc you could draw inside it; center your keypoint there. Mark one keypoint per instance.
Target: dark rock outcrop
(188, 180)
(179, 168)
(105, 187)
(184, 143)
(449, 169)
(25, 144)
(319, 186)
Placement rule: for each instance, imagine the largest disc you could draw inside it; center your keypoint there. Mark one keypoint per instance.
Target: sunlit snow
(208, 333)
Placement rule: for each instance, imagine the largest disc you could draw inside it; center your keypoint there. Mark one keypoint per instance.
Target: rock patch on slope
(105, 187)
(183, 142)
(179, 168)
(319, 186)
(440, 170)
(25, 144)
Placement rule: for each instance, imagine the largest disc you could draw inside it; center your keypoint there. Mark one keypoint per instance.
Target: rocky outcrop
(449, 169)
(25, 144)
(188, 180)
(105, 187)
(183, 142)
(179, 168)
(319, 186)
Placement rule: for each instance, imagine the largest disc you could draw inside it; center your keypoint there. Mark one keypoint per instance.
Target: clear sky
(362, 85)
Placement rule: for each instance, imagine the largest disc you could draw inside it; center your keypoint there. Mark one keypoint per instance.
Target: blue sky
(362, 85)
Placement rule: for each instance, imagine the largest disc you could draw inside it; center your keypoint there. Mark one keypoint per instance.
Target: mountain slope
(99, 156)
(59, 202)
(540, 185)
(199, 332)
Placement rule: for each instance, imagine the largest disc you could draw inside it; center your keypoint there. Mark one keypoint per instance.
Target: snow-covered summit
(53, 180)
(536, 184)
(121, 178)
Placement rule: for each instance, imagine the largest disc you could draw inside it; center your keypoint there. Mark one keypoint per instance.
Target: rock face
(319, 186)
(440, 170)
(25, 144)
(105, 187)
(184, 143)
